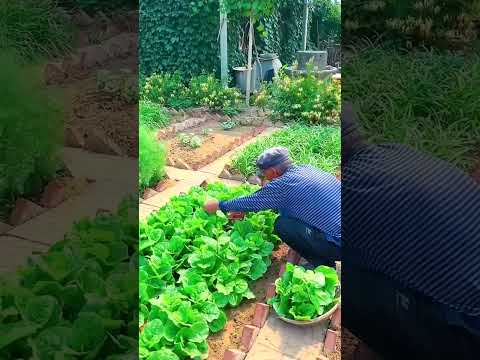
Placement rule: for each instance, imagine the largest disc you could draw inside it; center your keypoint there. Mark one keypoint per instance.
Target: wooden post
(305, 26)
(249, 64)
(223, 46)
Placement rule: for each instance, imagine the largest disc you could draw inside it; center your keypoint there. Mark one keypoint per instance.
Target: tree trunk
(249, 63)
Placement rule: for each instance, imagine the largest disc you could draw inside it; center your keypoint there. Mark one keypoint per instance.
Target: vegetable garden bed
(212, 142)
(194, 267)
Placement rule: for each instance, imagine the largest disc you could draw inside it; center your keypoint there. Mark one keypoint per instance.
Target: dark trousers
(308, 242)
(400, 323)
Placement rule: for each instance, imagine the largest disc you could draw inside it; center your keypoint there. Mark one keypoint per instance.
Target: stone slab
(15, 252)
(264, 352)
(296, 342)
(89, 165)
(144, 210)
(52, 225)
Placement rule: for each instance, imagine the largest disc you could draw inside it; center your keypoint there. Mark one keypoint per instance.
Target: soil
(347, 345)
(215, 143)
(230, 337)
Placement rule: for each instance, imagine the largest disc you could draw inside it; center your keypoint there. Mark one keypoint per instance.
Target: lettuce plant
(305, 294)
(192, 267)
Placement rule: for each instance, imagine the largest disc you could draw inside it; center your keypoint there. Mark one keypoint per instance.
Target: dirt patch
(215, 143)
(229, 338)
(347, 344)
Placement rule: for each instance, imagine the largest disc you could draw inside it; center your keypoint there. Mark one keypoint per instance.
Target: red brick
(248, 337)
(330, 341)
(148, 193)
(260, 315)
(179, 163)
(282, 269)
(4, 228)
(336, 320)
(54, 194)
(270, 291)
(162, 185)
(74, 138)
(23, 211)
(234, 355)
(293, 257)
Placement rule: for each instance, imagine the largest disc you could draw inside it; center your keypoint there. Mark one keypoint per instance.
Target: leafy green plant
(305, 294)
(318, 146)
(166, 90)
(152, 158)
(304, 99)
(192, 141)
(422, 99)
(33, 28)
(31, 132)
(228, 125)
(153, 115)
(79, 299)
(193, 266)
(207, 90)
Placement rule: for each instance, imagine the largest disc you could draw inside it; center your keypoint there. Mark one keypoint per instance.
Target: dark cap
(272, 157)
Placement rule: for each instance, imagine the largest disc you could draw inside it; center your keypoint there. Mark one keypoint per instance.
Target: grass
(33, 28)
(152, 158)
(318, 146)
(31, 133)
(153, 115)
(424, 99)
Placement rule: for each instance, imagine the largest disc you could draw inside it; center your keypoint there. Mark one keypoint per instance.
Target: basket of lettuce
(306, 297)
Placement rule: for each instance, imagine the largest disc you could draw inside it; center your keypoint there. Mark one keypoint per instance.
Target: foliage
(152, 157)
(326, 23)
(33, 28)
(228, 125)
(192, 141)
(250, 8)
(305, 294)
(194, 265)
(422, 99)
(153, 115)
(203, 90)
(31, 131)
(306, 99)
(314, 145)
(412, 22)
(207, 90)
(79, 299)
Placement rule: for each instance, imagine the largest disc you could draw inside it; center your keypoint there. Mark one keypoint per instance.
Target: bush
(305, 99)
(34, 28)
(152, 156)
(207, 90)
(318, 146)
(424, 99)
(153, 115)
(204, 90)
(31, 131)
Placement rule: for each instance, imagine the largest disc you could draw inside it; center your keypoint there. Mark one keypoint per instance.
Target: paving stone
(297, 342)
(15, 252)
(23, 211)
(182, 164)
(263, 352)
(145, 210)
(234, 355)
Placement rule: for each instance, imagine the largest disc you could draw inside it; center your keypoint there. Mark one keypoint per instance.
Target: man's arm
(271, 196)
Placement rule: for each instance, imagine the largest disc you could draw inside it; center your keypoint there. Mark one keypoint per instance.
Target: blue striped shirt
(415, 219)
(302, 192)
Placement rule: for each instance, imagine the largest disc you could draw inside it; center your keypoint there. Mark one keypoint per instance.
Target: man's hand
(236, 215)
(211, 206)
